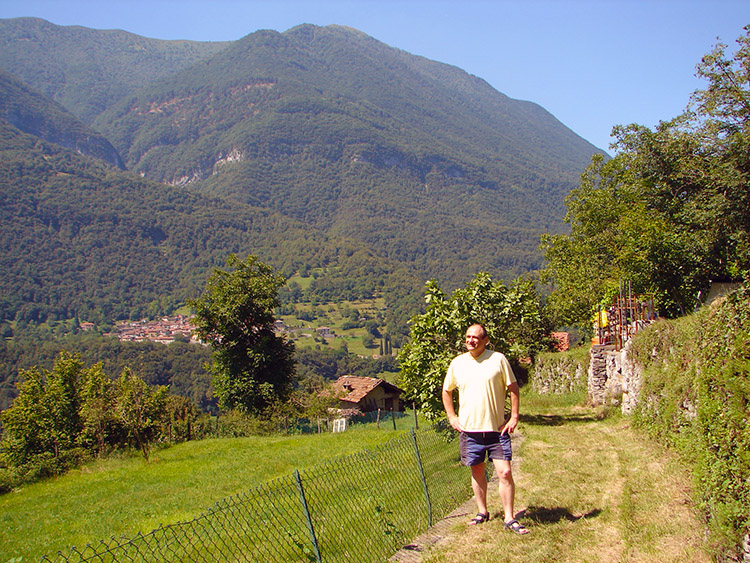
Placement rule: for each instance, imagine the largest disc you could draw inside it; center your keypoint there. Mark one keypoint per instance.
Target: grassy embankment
(589, 489)
(124, 496)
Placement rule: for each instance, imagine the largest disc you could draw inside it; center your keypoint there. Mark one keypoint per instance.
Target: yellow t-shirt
(481, 384)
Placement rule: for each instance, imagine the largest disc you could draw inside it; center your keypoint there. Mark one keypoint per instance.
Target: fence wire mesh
(360, 508)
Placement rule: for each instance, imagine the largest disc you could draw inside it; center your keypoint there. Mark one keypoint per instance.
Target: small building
(367, 394)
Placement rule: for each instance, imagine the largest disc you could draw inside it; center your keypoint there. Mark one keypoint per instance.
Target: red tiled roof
(358, 387)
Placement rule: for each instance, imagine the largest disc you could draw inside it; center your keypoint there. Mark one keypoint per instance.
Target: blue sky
(591, 63)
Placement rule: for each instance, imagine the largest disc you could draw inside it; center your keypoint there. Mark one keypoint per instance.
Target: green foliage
(63, 416)
(99, 427)
(671, 211)
(179, 365)
(696, 397)
(140, 408)
(252, 367)
(513, 317)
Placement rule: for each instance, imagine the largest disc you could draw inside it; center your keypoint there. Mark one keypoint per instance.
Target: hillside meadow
(122, 496)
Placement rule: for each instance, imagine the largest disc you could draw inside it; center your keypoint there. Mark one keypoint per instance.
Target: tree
(27, 423)
(252, 366)
(513, 316)
(141, 409)
(100, 425)
(63, 401)
(671, 211)
(44, 418)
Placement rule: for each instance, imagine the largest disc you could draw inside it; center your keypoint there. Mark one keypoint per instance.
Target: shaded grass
(589, 488)
(124, 496)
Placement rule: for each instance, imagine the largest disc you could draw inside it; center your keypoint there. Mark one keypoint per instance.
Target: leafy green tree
(671, 211)
(513, 316)
(63, 401)
(27, 422)
(140, 408)
(44, 418)
(100, 425)
(252, 366)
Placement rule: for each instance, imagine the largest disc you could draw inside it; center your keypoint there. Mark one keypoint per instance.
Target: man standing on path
(482, 377)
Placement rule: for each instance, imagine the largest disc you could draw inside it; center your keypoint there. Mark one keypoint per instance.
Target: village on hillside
(164, 330)
(168, 329)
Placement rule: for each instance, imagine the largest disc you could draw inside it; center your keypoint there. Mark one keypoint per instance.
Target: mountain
(33, 113)
(84, 239)
(419, 160)
(317, 148)
(86, 70)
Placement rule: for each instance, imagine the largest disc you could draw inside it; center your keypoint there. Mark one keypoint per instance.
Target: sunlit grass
(590, 488)
(125, 495)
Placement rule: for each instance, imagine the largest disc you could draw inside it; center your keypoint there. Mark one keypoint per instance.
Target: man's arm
(515, 395)
(449, 410)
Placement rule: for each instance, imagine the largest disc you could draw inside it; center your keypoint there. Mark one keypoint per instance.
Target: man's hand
(510, 426)
(453, 419)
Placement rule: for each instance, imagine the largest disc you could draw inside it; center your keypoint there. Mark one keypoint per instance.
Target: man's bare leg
(479, 486)
(507, 487)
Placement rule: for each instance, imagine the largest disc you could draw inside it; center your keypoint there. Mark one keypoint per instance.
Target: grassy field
(124, 496)
(334, 317)
(589, 489)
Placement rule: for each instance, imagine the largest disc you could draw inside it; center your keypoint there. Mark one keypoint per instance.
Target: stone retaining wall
(612, 378)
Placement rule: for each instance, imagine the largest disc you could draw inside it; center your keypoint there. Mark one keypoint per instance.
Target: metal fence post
(421, 474)
(310, 526)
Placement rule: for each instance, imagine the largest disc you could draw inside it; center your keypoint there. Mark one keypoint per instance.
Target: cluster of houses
(164, 330)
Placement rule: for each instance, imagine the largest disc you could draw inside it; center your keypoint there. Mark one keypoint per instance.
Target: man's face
(476, 340)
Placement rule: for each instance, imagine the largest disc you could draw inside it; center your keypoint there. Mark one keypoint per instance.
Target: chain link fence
(360, 508)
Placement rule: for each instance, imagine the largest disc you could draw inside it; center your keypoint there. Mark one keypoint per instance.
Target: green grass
(124, 496)
(589, 488)
(330, 315)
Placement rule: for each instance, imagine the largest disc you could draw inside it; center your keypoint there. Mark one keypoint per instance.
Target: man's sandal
(516, 527)
(479, 519)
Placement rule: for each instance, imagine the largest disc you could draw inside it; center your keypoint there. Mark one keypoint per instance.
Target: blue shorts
(474, 445)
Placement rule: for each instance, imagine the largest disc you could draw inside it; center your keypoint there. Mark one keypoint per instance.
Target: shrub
(696, 397)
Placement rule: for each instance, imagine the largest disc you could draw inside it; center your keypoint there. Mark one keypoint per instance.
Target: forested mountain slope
(33, 113)
(417, 159)
(319, 148)
(86, 70)
(81, 238)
